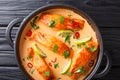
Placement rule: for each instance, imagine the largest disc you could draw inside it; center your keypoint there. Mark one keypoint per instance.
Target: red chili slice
(29, 33)
(76, 35)
(29, 65)
(50, 64)
(53, 61)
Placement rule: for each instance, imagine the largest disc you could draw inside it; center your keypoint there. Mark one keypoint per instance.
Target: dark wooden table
(105, 13)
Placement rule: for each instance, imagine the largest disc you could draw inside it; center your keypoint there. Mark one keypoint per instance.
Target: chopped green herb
(47, 73)
(67, 39)
(34, 26)
(84, 46)
(92, 49)
(69, 73)
(56, 65)
(80, 69)
(66, 53)
(52, 23)
(62, 19)
(29, 57)
(66, 34)
(32, 71)
(55, 48)
(35, 19)
(69, 15)
(78, 45)
(33, 23)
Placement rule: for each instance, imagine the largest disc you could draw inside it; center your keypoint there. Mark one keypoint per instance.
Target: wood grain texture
(105, 13)
(101, 14)
(7, 59)
(102, 11)
(11, 73)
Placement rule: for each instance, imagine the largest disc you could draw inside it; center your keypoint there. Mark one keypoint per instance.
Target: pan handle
(107, 68)
(9, 30)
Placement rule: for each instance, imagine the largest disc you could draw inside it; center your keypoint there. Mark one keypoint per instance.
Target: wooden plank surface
(11, 73)
(105, 13)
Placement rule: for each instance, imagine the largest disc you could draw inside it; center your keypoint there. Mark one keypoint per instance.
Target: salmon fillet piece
(82, 58)
(64, 23)
(42, 67)
(50, 42)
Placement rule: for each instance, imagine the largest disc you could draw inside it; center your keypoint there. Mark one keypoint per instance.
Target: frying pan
(15, 44)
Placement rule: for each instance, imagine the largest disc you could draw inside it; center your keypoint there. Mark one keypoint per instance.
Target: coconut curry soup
(58, 44)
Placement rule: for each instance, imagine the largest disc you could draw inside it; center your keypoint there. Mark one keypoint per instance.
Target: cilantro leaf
(34, 26)
(56, 65)
(29, 57)
(52, 23)
(67, 39)
(47, 73)
(35, 19)
(33, 23)
(32, 71)
(69, 15)
(80, 69)
(55, 48)
(62, 19)
(66, 54)
(69, 73)
(92, 49)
